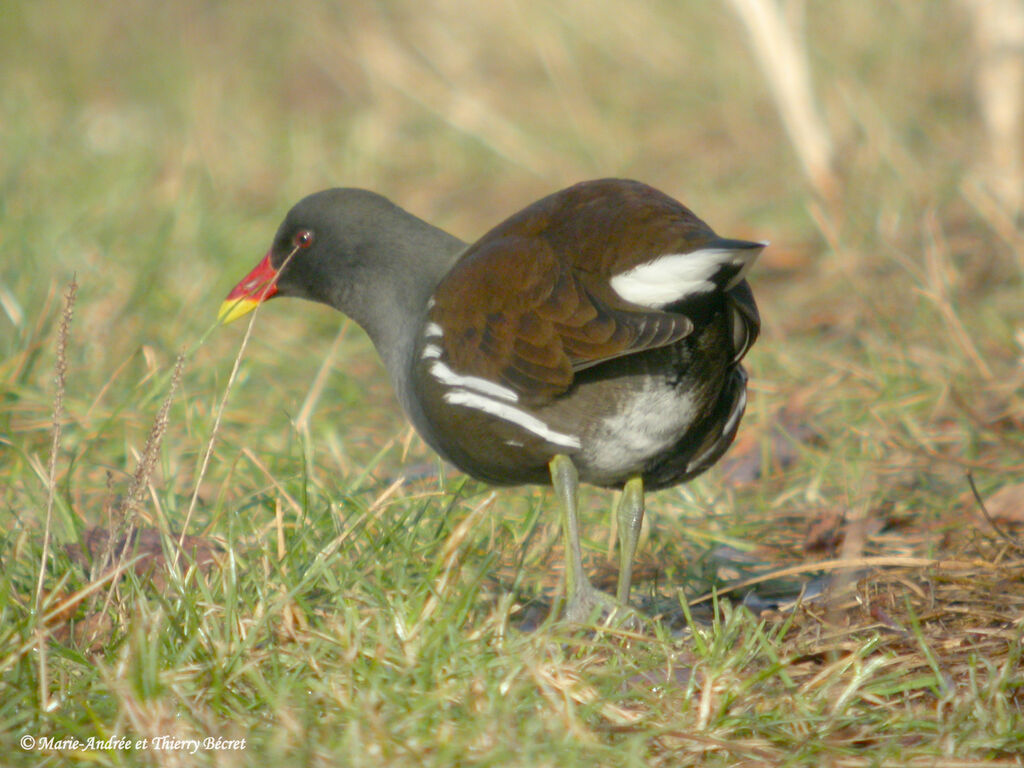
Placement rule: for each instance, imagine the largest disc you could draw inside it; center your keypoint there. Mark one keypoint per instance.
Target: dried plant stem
(319, 381)
(208, 453)
(984, 511)
(150, 453)
(939, 291)
(60, 383)
(137, 489)
(783, 58)
(999, 80)
(452, 557)
(213, 439)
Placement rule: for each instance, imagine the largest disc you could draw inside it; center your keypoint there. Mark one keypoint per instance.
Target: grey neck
(414, 256)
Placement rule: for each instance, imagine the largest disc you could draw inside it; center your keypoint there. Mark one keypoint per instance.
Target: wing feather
(533, 321)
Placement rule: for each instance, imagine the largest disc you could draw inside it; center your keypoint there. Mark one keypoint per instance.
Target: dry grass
(340, 599)
(59, 385)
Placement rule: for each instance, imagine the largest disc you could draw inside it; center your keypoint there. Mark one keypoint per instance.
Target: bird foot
(592, 606)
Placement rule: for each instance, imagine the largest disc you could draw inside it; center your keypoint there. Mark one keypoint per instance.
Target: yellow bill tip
(232, 309)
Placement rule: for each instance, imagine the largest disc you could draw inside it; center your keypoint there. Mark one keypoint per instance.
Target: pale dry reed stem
(782, 55)
(999, 80)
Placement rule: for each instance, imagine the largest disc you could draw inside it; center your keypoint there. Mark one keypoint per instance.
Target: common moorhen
(595, 335)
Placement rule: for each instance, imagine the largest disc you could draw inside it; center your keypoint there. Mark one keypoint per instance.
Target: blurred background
(150, 149)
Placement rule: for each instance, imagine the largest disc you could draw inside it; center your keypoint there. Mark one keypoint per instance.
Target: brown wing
(534, 318)
(607, 226)
(542, 305)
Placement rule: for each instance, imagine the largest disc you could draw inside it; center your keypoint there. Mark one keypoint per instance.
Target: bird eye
(302, 239)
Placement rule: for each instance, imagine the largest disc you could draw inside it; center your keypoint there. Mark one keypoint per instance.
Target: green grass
(349, 617)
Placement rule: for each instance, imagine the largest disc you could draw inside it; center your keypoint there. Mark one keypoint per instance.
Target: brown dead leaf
(93, 629)
(1007, 504)
(146, 542)
(824, 532)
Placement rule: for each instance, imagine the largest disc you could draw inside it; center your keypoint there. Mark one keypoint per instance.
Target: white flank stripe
(433, 329)
(446, 375)
(513, 415)
(429, 351)
(671, 277)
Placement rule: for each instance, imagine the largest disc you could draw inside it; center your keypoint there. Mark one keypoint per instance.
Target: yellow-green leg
(630, 518)
(584, 602)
